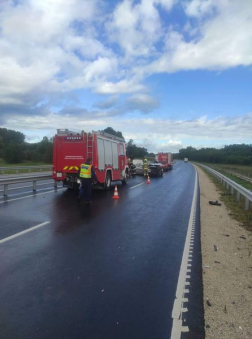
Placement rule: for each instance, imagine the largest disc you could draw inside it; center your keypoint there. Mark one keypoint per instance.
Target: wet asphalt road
(108, 270)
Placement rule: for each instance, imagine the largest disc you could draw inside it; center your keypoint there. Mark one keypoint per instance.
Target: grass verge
(236, 208)
(28, 163)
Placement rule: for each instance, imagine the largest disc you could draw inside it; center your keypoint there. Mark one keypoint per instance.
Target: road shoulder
(227, 268)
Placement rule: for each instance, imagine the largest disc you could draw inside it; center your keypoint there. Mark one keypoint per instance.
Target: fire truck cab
(71, 149)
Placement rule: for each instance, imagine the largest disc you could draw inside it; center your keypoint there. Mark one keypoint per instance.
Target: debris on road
(208, 303)
(216, 203)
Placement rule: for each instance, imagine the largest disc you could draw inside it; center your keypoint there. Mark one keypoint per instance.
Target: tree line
(231, 154)
(14, 149)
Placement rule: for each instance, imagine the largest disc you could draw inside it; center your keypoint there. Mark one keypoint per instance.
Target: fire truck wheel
(107, 183)
(124, 181)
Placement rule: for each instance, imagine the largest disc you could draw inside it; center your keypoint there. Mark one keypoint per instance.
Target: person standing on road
(145, 167)
(87, 175)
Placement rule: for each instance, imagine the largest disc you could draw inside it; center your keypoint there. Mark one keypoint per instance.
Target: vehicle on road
(185, 159)
(155, 169)
(139, 166)
(166, 160)
(108, 154)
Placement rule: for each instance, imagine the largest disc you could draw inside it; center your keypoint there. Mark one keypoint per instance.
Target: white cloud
(106, 104)
(161, 134)
(123, 86)
(136, 27)
(48, 49)
(59, 46)
(198, 8)
(224, 40)
(142, 102)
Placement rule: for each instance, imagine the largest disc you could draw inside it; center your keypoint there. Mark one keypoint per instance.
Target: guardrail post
(55, 184)
(232, 190)
(34, 185)
(5, 190)
(238, 196)
(247, 204)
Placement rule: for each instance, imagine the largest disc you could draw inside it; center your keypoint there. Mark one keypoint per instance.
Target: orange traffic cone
(148, 180)
(115, 196)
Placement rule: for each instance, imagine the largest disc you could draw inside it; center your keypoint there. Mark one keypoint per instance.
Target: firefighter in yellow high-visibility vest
(86, 174)
(145, 167)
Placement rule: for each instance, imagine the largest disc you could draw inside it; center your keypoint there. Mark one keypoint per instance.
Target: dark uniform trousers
(86, 189)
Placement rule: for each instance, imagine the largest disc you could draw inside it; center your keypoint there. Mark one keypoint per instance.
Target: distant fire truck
(165, 159)
(107, 152)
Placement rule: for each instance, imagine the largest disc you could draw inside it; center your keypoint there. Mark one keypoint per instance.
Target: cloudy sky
(166, 73)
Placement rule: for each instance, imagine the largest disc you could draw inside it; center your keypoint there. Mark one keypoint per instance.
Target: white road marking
(23, 232)
(32, 195)
(180, 299)
(137, 185)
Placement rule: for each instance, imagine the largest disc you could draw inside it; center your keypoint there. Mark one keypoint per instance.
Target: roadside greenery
(231, 154)
(230, 171)
(236, 208)
(15, 150)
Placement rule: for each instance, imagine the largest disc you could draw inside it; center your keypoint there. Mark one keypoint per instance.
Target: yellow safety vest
(145, 165)
(85, 171)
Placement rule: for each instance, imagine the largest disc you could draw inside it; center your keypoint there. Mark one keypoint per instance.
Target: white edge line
(32, 195)
(23, 232)
(178, 302)
(137, 185)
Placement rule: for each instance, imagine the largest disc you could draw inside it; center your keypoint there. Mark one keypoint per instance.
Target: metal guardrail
(233, 186)
(30, 168)
(10, 181)
(248, 179)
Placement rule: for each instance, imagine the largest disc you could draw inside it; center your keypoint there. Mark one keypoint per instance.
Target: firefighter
(145, 167)
(132, 168)
(87, 175)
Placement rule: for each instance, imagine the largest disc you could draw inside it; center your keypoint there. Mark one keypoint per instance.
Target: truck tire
(107, 183)
(124, 181)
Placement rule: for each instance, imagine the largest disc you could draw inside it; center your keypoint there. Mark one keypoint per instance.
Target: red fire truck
(107, 152)
(165, 159)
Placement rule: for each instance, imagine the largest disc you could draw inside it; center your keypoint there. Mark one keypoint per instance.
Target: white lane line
(23, 232)
(137, 185)
(32, 195)
(180, 299)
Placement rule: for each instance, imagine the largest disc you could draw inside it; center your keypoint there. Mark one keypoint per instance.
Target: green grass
(243, 170)
(236, 208)
(239, 181)
(27, 163)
